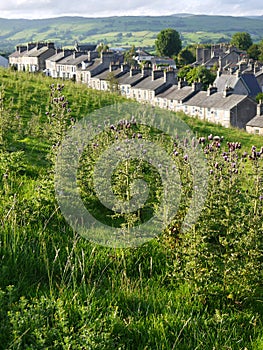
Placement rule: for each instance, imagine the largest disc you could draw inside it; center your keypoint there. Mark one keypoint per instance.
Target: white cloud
(91, 8)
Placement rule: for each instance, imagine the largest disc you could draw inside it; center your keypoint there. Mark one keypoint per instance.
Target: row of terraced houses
(230, 101)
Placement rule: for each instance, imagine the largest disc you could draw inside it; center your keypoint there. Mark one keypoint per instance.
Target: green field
(194, 289)
(116, 31)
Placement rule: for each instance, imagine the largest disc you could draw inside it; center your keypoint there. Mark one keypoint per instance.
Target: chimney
(30, 46)
(199, 54)
(260, 108)
(238, 73)
(51, 45)
(181, 83)
(207, 55)
(40, 45)
(146, 71)
(157, 74)
(196, 86)
(106, 57)
(227, 91)
(211, 90)
(124, 67)
(113, 66)
(21, 48)
(134, 70)
(170, 77)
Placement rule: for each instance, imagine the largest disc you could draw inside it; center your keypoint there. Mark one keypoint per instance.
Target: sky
(93, 8)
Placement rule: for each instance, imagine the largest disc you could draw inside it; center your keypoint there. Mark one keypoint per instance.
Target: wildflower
(210, 137)
(186, 157)
(216, 165)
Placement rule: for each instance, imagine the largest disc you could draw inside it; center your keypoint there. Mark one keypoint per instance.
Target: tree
(129, 56)
(185, 57)
(260, 46)
(254, 52)
(241, 40)
(113, 84)
(168, 42)
(182, 73)
(200, 73)
(102, 47)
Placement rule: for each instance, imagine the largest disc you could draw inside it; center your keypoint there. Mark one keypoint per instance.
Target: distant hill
(125, 30)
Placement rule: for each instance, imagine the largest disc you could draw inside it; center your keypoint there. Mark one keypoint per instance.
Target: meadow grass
(200, 290)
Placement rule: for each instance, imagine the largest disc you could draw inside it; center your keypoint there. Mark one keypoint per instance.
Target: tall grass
(201, 290)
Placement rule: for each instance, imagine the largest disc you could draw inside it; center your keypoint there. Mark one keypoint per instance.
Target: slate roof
(257, 121)
(105, 74)
(86, 47)
(173, 93)
(251, 83)
(230, 80)
(3, 61)
(35, 52)
(149, 84)
(168, 93)
(225, 80)
(70, 60)
(130, 80)
(57, 57)
(215, 100)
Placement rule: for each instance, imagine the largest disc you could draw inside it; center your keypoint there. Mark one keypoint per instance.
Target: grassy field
(113, 30)
(200, 289)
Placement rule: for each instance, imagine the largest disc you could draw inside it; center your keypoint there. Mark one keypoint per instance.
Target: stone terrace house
(102, 82)
(242, 83)
(51, 62)
(255, 125)
(31, 57)
(67, 66)
(87, 70)
(128, 80)
(225, 108)
(155, 82)
(220, 55)
(175, 96)
(259, 77)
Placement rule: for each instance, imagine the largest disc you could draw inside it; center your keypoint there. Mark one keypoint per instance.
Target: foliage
(102, 47)
(198, 289)
(129, 56)
(64, 31)
(185, 57)
(168, 42)
(259, 97)
(197, 74)
(242, 40)
(254, 52)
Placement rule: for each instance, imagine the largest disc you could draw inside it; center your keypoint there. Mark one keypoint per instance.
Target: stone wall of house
(254, 130)
(243, 113)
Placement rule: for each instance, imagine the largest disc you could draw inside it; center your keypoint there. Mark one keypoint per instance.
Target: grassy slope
(58, 291)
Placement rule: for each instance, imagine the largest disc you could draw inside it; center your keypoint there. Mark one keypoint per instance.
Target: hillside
(125, 30)
(186, 289)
